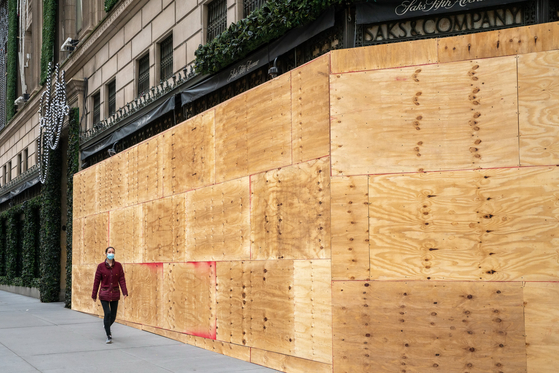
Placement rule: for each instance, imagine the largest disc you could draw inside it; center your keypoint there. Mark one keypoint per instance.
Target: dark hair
(107, 249)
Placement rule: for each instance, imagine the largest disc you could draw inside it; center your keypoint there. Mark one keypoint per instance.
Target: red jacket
(109, 278)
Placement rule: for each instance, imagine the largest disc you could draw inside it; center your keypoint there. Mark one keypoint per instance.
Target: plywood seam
(291, 99)
(453, 170)
(390, 68)
(448, 281)
(289, 165)
(368, 224)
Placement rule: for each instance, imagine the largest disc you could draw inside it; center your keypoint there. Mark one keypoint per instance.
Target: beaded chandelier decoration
(53, 108)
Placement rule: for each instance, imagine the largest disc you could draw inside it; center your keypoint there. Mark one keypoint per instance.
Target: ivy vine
(18, 244)
(50, 252)
(11, 62)
(263, 25)
(110, 4)
(49, 33)
(73, 167)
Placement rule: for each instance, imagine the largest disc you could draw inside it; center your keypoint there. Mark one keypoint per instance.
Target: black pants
(110, 309)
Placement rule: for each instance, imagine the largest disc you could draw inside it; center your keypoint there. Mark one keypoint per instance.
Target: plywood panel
(469, 225)
(286, 363)
(95, 238)
(538, 103)
(131, 169)
(102, 186)
(150, 169)
(269, 125)
(115, 182)
(231, 139)
(126, 234)
(89, 191)
(233, 302)
(217, 226)
(77, 240)
(435, 117)
(272, 306)
(534, 38)
(291, 212)
(78, 195)
(541, 301)
(229, 349)
(82, 286)
(190, 154)
(310, 110)
(164, 229)
(428, 327)
(418, 52)
(313, 310)
(189, 300)
(350, 228)
(143, 305)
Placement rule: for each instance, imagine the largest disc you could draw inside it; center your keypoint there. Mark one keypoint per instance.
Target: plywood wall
(382, 209)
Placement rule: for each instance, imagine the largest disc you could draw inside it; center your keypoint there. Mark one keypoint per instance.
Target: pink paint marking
(400, 78)
(153, 266)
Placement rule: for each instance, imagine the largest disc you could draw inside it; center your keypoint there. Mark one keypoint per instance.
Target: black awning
(21, 188)
(164, 108)
(261, 57)
(390, 10)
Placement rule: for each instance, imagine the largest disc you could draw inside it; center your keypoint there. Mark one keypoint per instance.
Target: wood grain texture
(218, 222)
(286, 363)
(150, 169)
(115, 181)
(269, 125)
(350, 228)
(541, 301)
(422, 327)
(126, 234)
(290, 212)
(312, 319)
(189, 300)
(77, 240)
(220, 347)
(78, 207)
(253, 130)
(95, 238)
(272, 306)
(418, 52)
(538, 103)
(435, 117)
(131, 194)
(233, 302)
(164, 229)
(143, 305)
(189, 154)
(89, 193)
(82, 285)
(310, 110)
(498, 224)
(518, 40)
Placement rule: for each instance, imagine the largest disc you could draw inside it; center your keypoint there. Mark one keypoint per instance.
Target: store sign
(388, 10)
(443, 24)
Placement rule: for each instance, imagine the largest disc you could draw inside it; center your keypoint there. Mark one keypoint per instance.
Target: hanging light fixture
(53, 108)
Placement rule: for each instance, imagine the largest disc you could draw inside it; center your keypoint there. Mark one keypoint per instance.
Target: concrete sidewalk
(46, 337)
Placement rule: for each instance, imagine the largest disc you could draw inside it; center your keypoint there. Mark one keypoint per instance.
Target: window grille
(9, 175)
(25, 159)
(96, 108)
(111, 88)
(251, 5)
(217, 18)
(143, 76)
(166, 58)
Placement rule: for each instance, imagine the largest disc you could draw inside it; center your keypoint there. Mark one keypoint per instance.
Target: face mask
(110, 256)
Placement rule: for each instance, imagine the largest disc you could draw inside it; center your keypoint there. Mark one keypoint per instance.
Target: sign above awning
(390, 10)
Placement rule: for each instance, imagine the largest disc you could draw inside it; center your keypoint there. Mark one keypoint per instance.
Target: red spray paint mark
(206, 268)
(153, 266)
(202, 333)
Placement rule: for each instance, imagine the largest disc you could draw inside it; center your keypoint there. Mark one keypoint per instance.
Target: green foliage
(49, 286)
(73, 167)
(11, 63)
(10, 234)
(30, 244)
(49, 33)
(261, 26)
(110, 4)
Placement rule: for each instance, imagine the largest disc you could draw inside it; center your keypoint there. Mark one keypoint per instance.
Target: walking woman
(109, 274)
